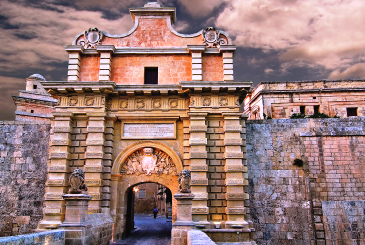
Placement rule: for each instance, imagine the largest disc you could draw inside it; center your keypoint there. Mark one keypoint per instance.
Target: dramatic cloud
(314, 33)
(201, 8)
(181, 26)
(38, 36)
(9, 86)
(356, 72)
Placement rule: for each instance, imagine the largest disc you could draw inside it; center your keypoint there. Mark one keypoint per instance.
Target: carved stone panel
(148, 161)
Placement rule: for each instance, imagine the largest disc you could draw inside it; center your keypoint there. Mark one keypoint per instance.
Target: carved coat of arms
(148, 161)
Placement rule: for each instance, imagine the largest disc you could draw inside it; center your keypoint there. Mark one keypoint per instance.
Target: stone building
(141, 107)
(34, 103)
(343, 98)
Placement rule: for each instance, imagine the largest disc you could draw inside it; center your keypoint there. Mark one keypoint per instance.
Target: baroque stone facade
(151, 105)
(141, 107)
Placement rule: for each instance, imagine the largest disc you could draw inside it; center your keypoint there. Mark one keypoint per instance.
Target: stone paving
(149, 231)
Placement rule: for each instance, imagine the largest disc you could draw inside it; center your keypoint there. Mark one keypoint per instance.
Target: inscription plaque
(149, 130)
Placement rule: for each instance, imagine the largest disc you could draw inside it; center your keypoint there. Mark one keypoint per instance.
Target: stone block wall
(23, 173)
(289, 202)
(216, 174)
(48, 237)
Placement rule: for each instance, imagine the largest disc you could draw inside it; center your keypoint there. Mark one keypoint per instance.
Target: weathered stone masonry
(323, 200)
(23, 173)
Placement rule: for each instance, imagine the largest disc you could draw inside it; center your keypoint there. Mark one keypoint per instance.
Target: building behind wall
(341, 98)
(34, 103)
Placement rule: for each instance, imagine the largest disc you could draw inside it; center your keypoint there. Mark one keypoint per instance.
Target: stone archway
(127, 171)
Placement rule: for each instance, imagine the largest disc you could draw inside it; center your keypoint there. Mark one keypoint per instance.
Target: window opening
(142, 194)
(151, 75)
(316, 109)
(31, 111)
(302, 109)
(351, 112)
(34, 86)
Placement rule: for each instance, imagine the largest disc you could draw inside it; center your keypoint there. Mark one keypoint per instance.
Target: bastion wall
(290, 204)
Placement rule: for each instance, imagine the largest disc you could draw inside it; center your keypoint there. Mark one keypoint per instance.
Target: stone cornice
(17, 99)
(215, 86)
(79, 87)
(301, 91)
(28, 114)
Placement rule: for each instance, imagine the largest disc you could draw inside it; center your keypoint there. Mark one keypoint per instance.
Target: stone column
(228, 66)
(94, 159)
(105, 61)
(199, 167)
(196, 61)
(236, 172)
(73, 66)
(58, 169)
(184, 221)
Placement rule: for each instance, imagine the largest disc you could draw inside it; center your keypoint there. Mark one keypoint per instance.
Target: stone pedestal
(76, 210)
(77, 230)
(184, 221)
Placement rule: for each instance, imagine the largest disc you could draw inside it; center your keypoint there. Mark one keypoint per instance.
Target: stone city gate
(131, 168)
(142, 106)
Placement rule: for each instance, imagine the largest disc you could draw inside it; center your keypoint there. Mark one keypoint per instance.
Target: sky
(281, 40)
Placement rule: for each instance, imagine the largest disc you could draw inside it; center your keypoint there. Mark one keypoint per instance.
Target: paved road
(149, 231)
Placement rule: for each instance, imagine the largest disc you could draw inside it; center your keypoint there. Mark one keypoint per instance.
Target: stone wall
(23, 173)
(48, 237)
(289, 203)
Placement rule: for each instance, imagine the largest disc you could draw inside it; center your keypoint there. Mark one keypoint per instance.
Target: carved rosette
(207, 101)
(73, 101)
(223, 101)
(156, 103)
(173, 103)
(212, 38)
(92, 37)
(89, 101)
(140, 104)
(123, 104)
(148, 161)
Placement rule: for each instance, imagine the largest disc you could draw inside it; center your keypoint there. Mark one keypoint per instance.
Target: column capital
(92, 115)
(197, 115)
(231, 115)
(62, 115)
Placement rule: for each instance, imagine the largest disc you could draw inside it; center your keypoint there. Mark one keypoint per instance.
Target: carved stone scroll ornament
(77, 182)
(212, 38)
(148, 161)
(184, 181)
(92, 37)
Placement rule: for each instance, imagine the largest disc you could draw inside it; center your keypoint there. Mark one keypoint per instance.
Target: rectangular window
(142, 193)
(351, 112)
(302, 109)
(31, 111)
(34, 86)
(151, 75)
(316, 109)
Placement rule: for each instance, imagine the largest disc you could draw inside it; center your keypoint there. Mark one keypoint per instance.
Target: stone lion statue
(77, 182)
(184, 181)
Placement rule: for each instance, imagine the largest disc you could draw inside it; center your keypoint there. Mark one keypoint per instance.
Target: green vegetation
(297, 115)
(319, 115)
(315, 115)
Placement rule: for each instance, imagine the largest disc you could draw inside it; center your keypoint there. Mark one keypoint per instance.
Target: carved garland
(148, 161)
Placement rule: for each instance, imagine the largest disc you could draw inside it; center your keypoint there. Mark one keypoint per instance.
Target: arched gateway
(142, 162)
(140, 107)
